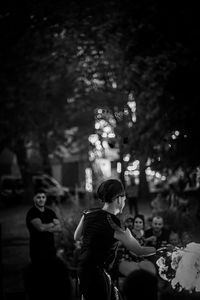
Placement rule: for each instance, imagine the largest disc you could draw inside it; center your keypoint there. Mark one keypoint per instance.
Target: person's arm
(78, 231)
(56, 227)
(152, 239)
(37, 223)
(126, 238)
(53, 226)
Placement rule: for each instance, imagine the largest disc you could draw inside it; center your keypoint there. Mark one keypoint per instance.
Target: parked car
(11, 189)
(53, 189)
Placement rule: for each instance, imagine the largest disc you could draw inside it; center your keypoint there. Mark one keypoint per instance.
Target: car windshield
(51, 181)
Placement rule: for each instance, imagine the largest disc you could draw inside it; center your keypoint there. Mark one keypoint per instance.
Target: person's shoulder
(32, 212)
(166, 232)
(148, 231)
(91, 211)
(50, 211)
(114, 222)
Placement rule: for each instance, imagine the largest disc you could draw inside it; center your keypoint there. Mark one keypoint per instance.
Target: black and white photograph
(99, 150)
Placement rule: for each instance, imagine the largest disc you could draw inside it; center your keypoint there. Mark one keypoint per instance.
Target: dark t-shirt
(99, 245)
(162, 239)
(42, 246)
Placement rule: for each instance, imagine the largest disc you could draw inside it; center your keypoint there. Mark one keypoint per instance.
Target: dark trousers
(96, 284)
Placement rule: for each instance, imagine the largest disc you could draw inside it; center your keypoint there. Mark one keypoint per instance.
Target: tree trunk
(122, 172)
(44, 152)
(21, 153)
(121, 160)
(143, 185)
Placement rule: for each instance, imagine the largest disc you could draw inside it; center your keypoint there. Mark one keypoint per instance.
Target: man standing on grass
(47, 276)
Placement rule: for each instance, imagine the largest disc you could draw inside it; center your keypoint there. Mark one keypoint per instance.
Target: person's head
(129, 223)
(174, 238)
(157, 223)
(138, 222)
(141, 283)
(186, 238)
(40, 198)
(111, 192)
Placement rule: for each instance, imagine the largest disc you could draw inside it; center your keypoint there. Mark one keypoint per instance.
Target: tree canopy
(62, 60)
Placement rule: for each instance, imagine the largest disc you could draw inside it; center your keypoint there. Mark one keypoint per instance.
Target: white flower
(188, 270)
(162, 268)
(183, 267)
(161, 262)
(163, 276)
(176, 257)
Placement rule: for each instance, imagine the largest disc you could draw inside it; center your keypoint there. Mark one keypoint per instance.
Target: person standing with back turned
(101, 233)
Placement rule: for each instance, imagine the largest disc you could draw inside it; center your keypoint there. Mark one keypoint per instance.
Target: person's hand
(170, 247)
(49, 227)
(152, 239)
(56, 222)
(153, 252)
(56, 226)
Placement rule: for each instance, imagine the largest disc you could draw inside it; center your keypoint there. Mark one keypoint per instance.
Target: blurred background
(90, 91)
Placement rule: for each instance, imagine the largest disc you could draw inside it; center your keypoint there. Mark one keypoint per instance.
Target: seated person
(138, 228)
(174, 239)
(128, 223)
(140, 284)
(186, 238)
(127, 260)
(157, 235)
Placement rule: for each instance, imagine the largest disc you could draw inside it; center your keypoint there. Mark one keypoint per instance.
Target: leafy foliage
(93, 54)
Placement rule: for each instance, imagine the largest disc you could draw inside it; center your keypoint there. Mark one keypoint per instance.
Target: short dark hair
(158, 217)
(39, 191)
(129, 219)
(110, 189)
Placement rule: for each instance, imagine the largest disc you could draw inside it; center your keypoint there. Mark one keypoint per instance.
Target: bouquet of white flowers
(181, 267)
